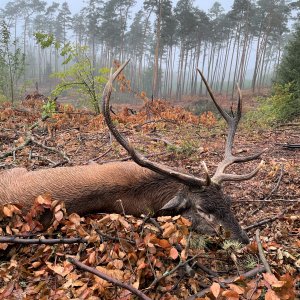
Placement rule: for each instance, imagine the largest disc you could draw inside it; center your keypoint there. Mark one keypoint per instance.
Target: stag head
(200, 200)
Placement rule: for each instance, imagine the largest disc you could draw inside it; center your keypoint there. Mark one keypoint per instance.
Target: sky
(76, 5)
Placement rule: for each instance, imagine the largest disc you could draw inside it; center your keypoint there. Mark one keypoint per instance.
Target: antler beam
(229, 158)
(136, 156)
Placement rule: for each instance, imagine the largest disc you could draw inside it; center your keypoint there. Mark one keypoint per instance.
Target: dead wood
(114, 281)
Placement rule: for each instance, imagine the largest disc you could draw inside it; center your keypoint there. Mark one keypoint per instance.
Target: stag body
(114, 187)
(143, 186)
(91, 188)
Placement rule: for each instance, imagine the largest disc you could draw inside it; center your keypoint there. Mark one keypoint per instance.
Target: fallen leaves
(118, 245)
(125, 249)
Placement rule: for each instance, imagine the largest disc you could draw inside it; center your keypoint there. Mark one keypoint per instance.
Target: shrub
(282, 106)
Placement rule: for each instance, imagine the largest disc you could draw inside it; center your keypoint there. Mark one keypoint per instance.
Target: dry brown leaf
(75, 219)
(215, 288)
(271, 295)
(43, 200)
(270, 278)
(237, 288)
(173, 253)
(7, 212)
(231, 295)
(59, 216)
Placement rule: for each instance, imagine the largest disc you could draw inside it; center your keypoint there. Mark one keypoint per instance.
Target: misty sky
(76, 5)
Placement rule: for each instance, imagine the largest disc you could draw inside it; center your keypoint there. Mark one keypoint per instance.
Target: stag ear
(178, 203)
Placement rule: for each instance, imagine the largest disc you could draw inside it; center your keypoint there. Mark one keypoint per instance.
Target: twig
(289, 146)
(102, 155)
(60, 163)
(148, 218)
(114, 281)
(113, 238)
(30, 140)
(121, 204)
(262, 222)
(52, 149)
(156, 224)
(277, 183)
(256, 286)
(44, 118)
(11, 152)
(270, 194)
(248, 274)
(210, 272)
(26, 241)
(168, 273)
(261, 252)
(167, 143)
(42, 158)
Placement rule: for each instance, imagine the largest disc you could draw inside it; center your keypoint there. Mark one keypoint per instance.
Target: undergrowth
(282, 106)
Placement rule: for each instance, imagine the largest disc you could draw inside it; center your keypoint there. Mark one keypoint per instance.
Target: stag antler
(229, 158)
(136, 156)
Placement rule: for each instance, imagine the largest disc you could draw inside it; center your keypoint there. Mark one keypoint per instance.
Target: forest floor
(160, 259)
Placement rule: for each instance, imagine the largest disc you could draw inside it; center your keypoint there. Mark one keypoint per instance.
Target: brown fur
(92, 188)
(98, 188)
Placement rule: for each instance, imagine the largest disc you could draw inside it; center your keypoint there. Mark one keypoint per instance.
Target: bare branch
(248, 274)
(26, 241)
(261, 252)
(114, 281)
(262, 222)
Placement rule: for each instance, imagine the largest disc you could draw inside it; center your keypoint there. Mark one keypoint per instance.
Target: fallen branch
(168, 273)
(261, 252)
(26, 241)
(112, 238)
(289, 146)
(12, 151)
(277, 183)
(44, 118)
(102, 155)
(31, 140)
(61, 153)
(248, 274)
(262, 222)
(270, 194)
(114, 281)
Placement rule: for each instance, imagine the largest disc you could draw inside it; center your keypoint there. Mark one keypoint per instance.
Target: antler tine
(219, 178)
(136, 156)
(229, 158)
(223, 113)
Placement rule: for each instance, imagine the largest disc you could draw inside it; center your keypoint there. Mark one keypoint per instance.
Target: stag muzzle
(209, 224)
(237, 233)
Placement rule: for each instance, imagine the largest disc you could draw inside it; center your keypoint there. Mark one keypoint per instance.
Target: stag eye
(196, 190)
(201, 209)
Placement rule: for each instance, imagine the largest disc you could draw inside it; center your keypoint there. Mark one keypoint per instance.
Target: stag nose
(242, 238)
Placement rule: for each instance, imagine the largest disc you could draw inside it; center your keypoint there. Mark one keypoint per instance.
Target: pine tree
(289, 68)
